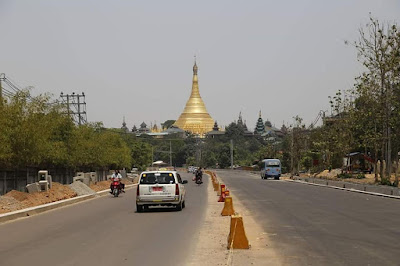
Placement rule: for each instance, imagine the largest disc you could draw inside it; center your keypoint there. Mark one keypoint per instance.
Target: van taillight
(137, 190)
(176, 190)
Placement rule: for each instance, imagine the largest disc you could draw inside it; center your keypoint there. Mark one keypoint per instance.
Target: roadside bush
(344, 175)
(385, 182)
(360, 176)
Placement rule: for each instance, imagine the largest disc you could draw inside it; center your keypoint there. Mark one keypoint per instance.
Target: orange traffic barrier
(219, 189)
(228, 207)
(222, 196)
(237, 238)
(216, 186)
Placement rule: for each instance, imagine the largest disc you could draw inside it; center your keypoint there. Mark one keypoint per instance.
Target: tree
(379, 51)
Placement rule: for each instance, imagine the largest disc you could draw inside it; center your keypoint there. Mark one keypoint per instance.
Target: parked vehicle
(160, 188)
(116, 187)
(190, 169)
(271, 168)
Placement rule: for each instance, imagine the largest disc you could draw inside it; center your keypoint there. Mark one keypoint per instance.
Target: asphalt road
(106, 231)
(311, 225)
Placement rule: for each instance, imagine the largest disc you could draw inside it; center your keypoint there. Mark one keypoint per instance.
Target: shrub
(385, 182)
(344, 175)
(360, 176)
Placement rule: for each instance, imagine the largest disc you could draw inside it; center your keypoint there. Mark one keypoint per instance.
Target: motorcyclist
(199, 176)
(116, 176)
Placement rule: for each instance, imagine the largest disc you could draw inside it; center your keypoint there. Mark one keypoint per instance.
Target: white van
(160, 188)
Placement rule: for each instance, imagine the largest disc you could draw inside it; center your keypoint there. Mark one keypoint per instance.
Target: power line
(10, 89)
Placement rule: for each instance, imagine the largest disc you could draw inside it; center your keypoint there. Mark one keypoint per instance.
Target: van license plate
(157, 188)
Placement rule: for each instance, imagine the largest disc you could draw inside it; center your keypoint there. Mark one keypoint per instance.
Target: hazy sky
(135, 58)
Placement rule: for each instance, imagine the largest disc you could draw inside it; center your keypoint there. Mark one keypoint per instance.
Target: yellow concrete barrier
(216, 186)
(219, 190)
(237, 238)
(228, 207)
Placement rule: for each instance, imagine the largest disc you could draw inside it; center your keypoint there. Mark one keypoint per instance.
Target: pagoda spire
(195, 117)
(260, 127)
(240, 120)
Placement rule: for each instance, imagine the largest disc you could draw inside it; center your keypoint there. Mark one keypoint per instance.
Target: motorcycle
(199, 180)
(115, 188)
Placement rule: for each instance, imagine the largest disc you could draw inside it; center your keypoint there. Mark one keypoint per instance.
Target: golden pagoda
(195, 117)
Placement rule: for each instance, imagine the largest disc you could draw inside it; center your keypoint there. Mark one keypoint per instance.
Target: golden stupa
(195, 117)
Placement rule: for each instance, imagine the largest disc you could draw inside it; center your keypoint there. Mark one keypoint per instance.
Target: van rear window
(272, 164)
(157, 178)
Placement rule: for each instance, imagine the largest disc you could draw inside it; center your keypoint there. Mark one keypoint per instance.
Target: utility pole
(76, 106)
(170, 153)
(389, 139)
(79, 111)
(1, 93)
(152, 154)
(291, 153)
(232, 154)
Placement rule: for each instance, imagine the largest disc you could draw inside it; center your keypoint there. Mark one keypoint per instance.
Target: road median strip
(50, 206)
(237, 238)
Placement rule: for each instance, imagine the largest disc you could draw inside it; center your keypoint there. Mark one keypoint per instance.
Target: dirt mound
(16, 200)
(17, 195)
(102, 185)
(8, 204)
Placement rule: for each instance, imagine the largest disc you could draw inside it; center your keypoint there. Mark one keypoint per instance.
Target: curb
(50, 206)
(346, 189)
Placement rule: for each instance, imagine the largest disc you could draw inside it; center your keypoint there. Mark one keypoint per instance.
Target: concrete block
(80, 174)
(43, 185)
(81, 189)
(32, 188)
(50, 180)
(123, 173)
(77, 178)
(93, 177)
(86, 180)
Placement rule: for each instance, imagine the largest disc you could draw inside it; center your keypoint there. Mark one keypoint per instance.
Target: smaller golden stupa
(195, 117)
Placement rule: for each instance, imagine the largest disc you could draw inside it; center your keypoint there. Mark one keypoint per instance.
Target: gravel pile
(81, 189)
